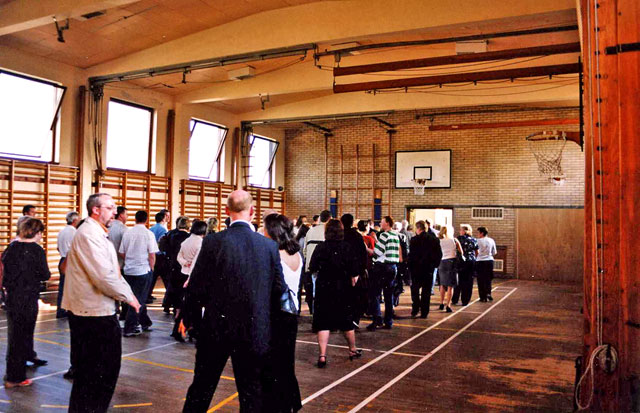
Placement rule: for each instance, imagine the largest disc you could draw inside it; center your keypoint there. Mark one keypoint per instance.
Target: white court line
(427, 357)
(123, 356)
(383, 355)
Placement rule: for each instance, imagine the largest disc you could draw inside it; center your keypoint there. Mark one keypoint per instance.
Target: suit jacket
(238, 279)
(358, 249)
(425, 253)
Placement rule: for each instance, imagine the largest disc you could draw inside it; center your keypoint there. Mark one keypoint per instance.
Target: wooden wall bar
(267, 199)
(53, 189)
(136, 191)
(203, 200)
(612, 150)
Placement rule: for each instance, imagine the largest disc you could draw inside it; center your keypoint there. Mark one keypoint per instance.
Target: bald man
(236, 278)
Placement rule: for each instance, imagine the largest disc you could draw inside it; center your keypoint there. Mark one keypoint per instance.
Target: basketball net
(418, 186)
(547, 148)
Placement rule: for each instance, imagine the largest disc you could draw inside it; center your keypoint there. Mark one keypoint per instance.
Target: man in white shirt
(93, 283)
(117, 229)
(138, 249)
(314, 236)
(484, 264)
(64, 244)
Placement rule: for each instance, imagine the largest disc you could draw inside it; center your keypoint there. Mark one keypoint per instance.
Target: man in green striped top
(383, 274)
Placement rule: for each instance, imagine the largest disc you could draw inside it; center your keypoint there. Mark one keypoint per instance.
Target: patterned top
(469, 246)
(387, 248)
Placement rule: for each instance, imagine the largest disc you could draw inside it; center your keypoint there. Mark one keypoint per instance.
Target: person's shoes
(69, 375)
(386, 327)
(490, 298)
(24, 383)
(449, 310)
(355, 354)
(166, 310)
(483, 300)
(147, 328)
(441, 307)
(454, 303)
(414, 313)
(373, 326)
(133, 333)
(178, 337)
(36, 362)
(423, 315)
(322, 361)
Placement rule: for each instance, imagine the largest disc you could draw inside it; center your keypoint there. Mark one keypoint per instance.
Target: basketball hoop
(547, 148)
(418, 186)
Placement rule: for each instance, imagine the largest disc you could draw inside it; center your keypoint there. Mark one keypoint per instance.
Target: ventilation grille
(487, 213)
(498, 265)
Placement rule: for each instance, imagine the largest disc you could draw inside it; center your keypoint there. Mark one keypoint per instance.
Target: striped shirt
(387, 248)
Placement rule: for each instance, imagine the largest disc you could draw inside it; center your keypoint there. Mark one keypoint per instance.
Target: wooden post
(373, 180)
(326, 170)
(171, 142)
(47, 179)
(341, 192)
(80, 144)
(357, 166)
(148, 197)
(125, 183)
(202, 196)
(390, 132)
(612, 149)
(183, 195)
(12, 172)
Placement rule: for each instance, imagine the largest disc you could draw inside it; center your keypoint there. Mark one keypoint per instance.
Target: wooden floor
(514, 354)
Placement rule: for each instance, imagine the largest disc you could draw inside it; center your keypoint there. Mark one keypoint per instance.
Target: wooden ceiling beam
(21, 15)
(460, 78)
(546, 50)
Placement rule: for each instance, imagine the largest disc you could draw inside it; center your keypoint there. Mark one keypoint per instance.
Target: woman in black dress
(25, 267)
(337, 274)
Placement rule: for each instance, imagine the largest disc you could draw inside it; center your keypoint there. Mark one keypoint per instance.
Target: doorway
(436, 216)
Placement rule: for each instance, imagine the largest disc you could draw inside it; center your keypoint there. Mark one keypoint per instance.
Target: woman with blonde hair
(469, 245)
(447, 269)
(212, 225)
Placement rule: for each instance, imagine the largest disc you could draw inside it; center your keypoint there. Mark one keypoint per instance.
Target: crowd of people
(236, 292)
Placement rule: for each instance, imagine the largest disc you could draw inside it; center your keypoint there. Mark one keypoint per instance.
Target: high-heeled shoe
(322, 361)
(178, 337)
(355, 354)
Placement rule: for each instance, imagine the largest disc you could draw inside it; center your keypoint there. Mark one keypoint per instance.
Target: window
(206, 154)
(262, 155)
(129, 137)
(29, 117)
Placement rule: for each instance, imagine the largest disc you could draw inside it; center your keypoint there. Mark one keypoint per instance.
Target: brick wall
(489, 167)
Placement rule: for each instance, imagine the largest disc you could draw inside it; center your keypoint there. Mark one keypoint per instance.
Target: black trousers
(484, 270)
(464, 289)
(60, 313)
(21, 322)
(98, 354)
(421, 285)
(140, 286)
(382, 278)
(212, 354)
(307, 282)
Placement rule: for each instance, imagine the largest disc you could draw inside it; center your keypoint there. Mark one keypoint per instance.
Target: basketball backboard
(433, 166)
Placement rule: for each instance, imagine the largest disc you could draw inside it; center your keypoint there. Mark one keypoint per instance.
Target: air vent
(91, 15)
(487, 213)
(498, 265)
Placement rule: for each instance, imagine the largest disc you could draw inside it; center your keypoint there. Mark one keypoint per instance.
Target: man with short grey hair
(64, 243)
(93, 283)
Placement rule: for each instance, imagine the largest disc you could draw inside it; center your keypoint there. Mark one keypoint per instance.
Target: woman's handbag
(288, 302)
(459, 261)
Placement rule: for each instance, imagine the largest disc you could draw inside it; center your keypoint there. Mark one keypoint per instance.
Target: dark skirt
(333, 307)
(447, 273)
(283, 389)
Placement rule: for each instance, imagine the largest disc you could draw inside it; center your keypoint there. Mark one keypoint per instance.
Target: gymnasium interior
(519, 116)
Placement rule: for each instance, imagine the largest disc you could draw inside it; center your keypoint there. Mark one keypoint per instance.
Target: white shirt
(136, 245)
(314, 236)
(116, 231)
(189, 250)
(64, 239)
(486, 249)
(448, 246)
(292, 278)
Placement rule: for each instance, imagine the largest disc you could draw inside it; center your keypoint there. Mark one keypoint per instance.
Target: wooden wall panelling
(267, 199)
(136, 191)
(203, 200)
(53, 189)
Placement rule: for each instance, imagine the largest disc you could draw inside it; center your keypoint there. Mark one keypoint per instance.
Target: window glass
(29, 121)
(262, 161)
(128, 136)
(206, 150)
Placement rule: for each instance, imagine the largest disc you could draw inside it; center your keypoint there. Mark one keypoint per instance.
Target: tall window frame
(151, 142)
(54, 122)
(266, 179)
(218, 162)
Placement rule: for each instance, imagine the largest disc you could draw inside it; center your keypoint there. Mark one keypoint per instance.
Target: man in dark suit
(238, 279)
(424, 257)
(359, 255)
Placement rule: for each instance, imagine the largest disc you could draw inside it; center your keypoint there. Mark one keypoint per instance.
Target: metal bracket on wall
(326, 131)
(622, 48)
